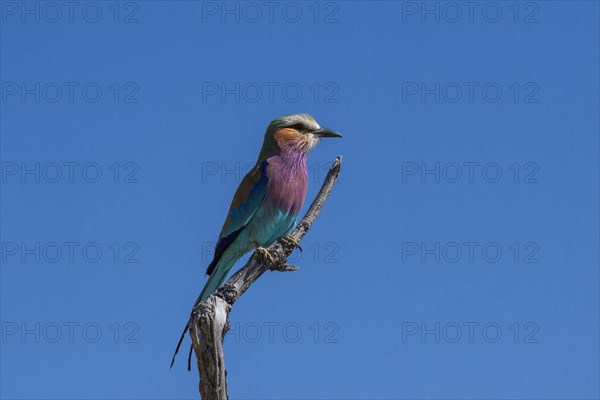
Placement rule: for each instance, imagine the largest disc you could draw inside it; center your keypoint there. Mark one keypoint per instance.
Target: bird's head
(299, 132)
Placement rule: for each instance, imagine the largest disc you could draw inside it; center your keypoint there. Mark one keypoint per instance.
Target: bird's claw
(289, 239)
(266, 255)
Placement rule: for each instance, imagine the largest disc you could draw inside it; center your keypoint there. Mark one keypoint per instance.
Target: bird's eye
(299, 127)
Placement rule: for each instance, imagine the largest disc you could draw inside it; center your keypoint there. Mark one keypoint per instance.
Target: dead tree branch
(209, 322)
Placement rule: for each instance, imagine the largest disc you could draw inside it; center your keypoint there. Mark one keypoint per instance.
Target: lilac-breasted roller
(269, 198)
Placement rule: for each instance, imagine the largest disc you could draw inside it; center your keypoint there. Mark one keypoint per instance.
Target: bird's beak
(324, 133)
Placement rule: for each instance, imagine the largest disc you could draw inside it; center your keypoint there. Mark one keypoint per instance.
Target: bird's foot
(289, 239)
(266, 256)
(273, 265)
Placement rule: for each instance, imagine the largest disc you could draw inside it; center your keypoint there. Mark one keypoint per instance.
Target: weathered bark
(209, 322)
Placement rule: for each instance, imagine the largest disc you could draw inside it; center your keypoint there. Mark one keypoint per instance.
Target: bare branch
(209, 322)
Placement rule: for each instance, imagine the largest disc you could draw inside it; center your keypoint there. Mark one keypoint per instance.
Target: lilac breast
(288, 180)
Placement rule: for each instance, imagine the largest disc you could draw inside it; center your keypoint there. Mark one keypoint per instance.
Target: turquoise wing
(247, 199)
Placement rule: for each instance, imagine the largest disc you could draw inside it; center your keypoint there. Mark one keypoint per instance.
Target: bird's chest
(288, 182)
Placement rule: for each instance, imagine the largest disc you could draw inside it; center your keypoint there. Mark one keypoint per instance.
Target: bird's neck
(293, 158)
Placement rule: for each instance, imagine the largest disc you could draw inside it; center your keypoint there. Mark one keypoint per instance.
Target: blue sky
(456, 258)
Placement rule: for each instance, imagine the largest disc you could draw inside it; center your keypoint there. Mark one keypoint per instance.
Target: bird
(267, 202)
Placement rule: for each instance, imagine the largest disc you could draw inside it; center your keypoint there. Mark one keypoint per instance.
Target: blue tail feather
(220, 270)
